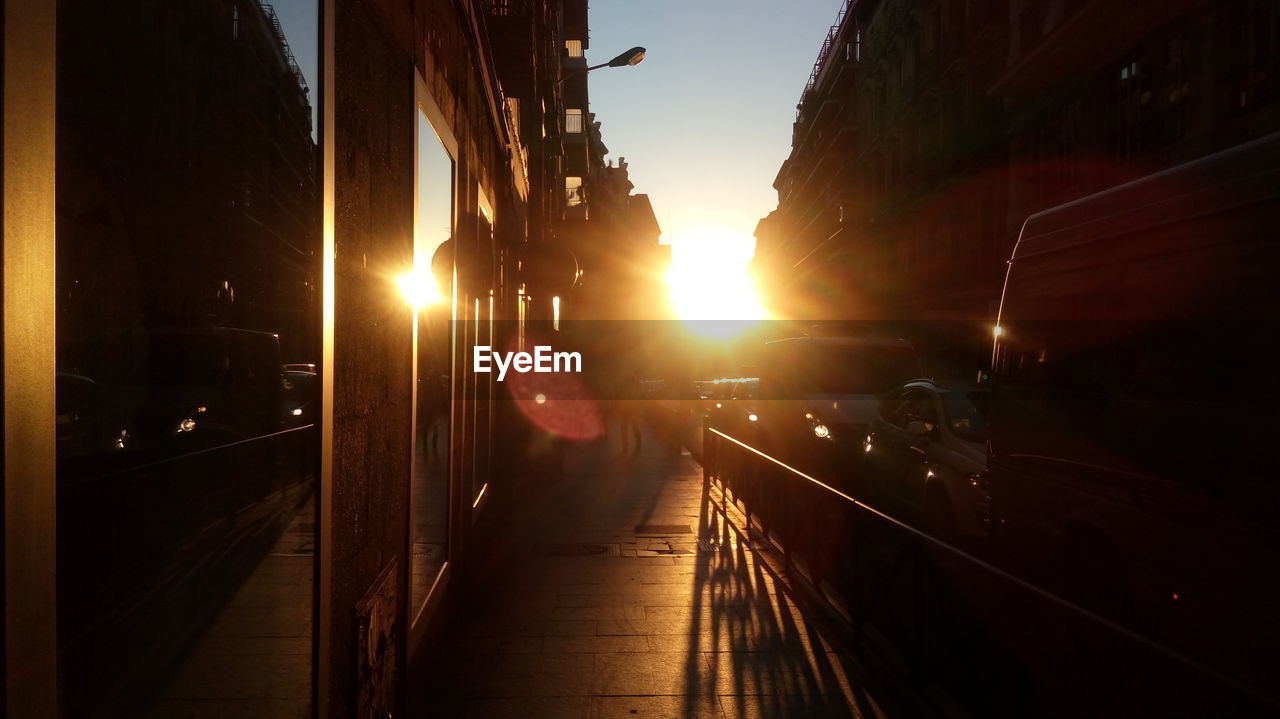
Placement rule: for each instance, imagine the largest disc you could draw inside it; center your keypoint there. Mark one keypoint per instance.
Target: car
(728, 404)
(925, 459)
(817, 397)
(301, 390)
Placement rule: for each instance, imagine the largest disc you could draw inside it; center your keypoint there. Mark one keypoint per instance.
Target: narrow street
(454, 359)
(632, 597)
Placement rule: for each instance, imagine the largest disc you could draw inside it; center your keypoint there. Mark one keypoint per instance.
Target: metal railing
(957, 629)
(825, 51)
(285, 50)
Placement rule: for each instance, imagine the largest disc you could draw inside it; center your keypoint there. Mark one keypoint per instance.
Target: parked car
(817, 397)
(726, 404)
(733, 403)
(925, 459)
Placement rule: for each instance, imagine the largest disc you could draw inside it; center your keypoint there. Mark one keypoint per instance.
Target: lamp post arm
(577, 71)
(630, 57)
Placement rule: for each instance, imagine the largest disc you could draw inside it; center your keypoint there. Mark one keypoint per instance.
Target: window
(188, 370)
(1177, 77)
(434, 218)
(573, 194)
(893, 407)
(1249, 65)
(573, 121)
(1135, 117)
(920, 407)
(573, 48)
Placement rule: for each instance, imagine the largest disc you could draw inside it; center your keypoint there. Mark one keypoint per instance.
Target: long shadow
(750, 645)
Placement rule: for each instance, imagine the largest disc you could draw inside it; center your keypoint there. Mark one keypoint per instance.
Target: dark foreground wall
(373, 233)
(379, 45)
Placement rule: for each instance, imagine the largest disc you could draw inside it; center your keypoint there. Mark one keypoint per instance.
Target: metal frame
(484, 209)
(30, 466)
(323, 606)
(419, 616)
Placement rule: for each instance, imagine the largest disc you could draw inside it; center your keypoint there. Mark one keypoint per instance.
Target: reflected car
(301, 390)
(203, 387)
(88, 422)
(925, 459)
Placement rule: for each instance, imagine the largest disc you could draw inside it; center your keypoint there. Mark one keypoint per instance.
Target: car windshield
(966, 414)
(856, 369)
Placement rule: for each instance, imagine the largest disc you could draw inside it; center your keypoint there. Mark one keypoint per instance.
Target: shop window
(188, 358)
(434, 222)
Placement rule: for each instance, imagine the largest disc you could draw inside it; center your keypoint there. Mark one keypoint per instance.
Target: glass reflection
(429, 491)
(188, 331)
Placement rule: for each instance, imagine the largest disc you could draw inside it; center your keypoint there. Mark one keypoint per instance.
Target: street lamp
(631, 57)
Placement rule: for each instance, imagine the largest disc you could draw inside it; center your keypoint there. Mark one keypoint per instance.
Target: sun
(709, 286)
(418, 288)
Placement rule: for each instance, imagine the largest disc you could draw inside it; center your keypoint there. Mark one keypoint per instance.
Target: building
(237, 463)
(617, 246)
(930, 129)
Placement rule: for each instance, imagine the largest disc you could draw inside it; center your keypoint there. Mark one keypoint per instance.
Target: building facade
(930, 129)
(618, 248)
(248, 249)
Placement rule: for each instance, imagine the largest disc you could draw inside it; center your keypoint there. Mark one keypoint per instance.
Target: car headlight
(821, 432)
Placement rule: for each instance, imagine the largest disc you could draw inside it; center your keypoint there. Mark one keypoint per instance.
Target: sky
(705, 121)
(300, 20)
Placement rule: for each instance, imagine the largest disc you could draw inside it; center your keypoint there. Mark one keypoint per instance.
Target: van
(1132, 418)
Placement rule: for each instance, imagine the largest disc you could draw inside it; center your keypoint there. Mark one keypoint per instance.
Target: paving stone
(516, 708)
(787, 706)
(597, 644)
(600, 612)
(656, 707)
(197, 708)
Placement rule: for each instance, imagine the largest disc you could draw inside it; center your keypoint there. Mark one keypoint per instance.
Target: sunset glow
(418, 288)
(708, 281)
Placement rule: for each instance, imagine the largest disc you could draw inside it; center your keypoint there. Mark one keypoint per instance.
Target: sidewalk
(630, 597)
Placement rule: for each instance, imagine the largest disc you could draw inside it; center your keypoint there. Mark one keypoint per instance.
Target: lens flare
(418, 288)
